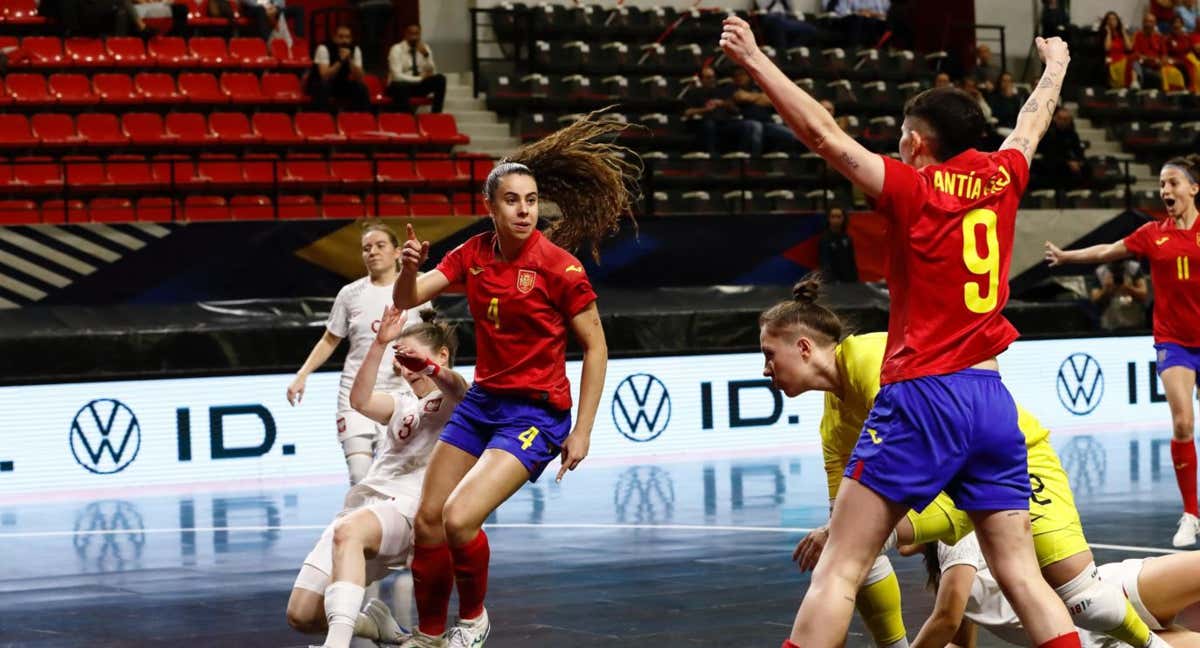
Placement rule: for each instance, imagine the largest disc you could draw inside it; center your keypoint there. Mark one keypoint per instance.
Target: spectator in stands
(755, 105)
(143, 9)
(1055, 21)
(711, 106)
(865, 21)
(1186, 9)
(942, 80)
(1120, 293)
(337, 74)
(1193, 62)
(985, 71)
(1063, 161)
(1118, 45)
(843, 121)
(970, 87)
(1006, 102)
(1179, 46)
(784, 29)
(98, 17)
(412, 72)
(837, 250)
(1151, 66)
(271, 18)
(1162, 11)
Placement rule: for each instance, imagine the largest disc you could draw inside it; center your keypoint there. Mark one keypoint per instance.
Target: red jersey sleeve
(575, 290)
(904, 190)
(1140, 242)
(1017, 165)
(454, 264)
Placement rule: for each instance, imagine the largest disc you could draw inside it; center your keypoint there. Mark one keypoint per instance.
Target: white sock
(342, 602)
(358, 464)
(902, 642)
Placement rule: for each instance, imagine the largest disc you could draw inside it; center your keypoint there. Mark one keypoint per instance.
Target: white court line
(509, 525)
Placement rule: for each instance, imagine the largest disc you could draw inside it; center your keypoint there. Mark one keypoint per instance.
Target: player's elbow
(358, 401)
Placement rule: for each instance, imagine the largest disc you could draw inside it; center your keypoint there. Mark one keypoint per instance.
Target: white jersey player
(355, 315)
(968, 595)
(375, 529)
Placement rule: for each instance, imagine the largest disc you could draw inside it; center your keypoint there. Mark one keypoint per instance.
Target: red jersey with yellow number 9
(1177, 299)
(521, 310)
(952, 224)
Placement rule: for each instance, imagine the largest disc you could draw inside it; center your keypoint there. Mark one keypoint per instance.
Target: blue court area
(648, 554)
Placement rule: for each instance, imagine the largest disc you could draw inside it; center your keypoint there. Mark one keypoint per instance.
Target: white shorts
(395, 548)
(357, 433)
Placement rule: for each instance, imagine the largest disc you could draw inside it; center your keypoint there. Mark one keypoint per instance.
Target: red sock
(433, 580)
(471, 572)
(787, 643)
(1183, 454)
(1069, 640)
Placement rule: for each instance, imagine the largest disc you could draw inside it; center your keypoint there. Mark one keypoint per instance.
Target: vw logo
(105, 436)
(1080, 383)
(109, 535)
(641, 407)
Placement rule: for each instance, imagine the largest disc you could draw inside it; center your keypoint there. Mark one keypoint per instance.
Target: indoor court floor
(686, 552)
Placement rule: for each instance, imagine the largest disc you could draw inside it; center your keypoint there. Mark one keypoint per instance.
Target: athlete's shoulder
(556, 260)
(353, 288)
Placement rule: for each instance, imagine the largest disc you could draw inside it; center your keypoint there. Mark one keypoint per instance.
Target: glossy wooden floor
(691, 554)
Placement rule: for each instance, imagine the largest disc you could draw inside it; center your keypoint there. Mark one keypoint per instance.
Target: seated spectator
(900, 23)
(942, 80)
(271, 18)
(1152, 66)
(1055, 21)
(412, 72)
(1006, 102)
(865, 21)
(1120, 295)
(985, 71)
(143, 9)
(969, 86)
(843, 121)
(836, 250)
(1186, 10)
(784, 30)
(337, 74)
(1063, 161)
(98, 17)
(1162, 11)
(1118, 45)
(755, 105)
(1179, 45)
(718, 119)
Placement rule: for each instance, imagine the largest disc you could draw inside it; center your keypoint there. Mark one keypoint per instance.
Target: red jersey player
(942, 404)
(524, 293)
(1170, 244)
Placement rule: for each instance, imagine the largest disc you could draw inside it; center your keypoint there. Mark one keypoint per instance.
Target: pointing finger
(412, 234)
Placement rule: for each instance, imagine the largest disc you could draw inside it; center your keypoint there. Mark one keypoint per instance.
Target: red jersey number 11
(493, 311)
(981, 297)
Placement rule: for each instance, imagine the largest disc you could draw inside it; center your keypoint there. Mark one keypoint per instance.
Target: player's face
(420, 382)
(378, 253)
(515, 206)
(1177, 190)
(787, 361)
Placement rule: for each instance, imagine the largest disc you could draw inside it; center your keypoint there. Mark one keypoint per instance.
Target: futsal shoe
(471, 633)
(421, 640)
(1189, 526)
(386, 629)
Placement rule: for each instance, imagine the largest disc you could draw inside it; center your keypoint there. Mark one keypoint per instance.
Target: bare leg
(1064, 571)
(492, 481)
(306, 611)
(356, 539)
(447, 466)
(1180, 638)
(1168, 584)
(1179, 382)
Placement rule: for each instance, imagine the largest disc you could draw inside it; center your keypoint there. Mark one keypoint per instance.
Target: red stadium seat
(242, 88)
(306, 171)
(251, 53)
(146, 129)
(155, 209)
(317, 127)
(126, 51)
(53, 129)
(115, 89)
(14, 212)
(352, 170)
(209, 52)
(72, 90)
(403, 125)
(392, 206)
(476, 167)
(100, 129)
(37, 173)
(6, 177)
(28, 89)
(23, 13)
(342, 206)
(221, 172)
(15, 131)
(201, 88)
(251, 208)
(58, 211)
(169, 51)
(5, 98)
(110, 210)
(202, 208)
(361, 128)
(398, 171)
(260, 169)
(84, 173)
(442, 174)
(375, 89)
(191, 129)
(173, 169)
(43, 51)
(429, 205)
(86, 52)
(297, 206)
(441, 129)
(469, 205)
(282, 88)
(295, 58)
(276, 128)
(130, 172)
(157, 88)
(198, 15)
(232, 128)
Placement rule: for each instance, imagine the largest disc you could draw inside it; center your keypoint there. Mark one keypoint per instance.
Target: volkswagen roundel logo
(1080, 383)
(105, 436)
(641, 407)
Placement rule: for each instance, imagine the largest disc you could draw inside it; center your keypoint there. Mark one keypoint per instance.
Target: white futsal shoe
(1189, 526)
(471, 633)
(421, 640)
(386, 629)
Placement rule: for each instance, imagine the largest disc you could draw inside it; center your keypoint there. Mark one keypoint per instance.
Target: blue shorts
(1176, 355)
(956, 433)
(527, 430)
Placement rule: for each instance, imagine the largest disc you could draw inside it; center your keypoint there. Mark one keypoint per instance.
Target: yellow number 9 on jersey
(988, 265)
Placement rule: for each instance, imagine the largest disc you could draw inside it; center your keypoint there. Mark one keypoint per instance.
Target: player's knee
(345, 534)
(301, 619)
(1184, 426)
(1093, 604)
(460, 522)
(428, 519)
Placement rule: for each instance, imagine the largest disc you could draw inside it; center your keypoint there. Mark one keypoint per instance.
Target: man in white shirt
(412, 73)
(338, 75)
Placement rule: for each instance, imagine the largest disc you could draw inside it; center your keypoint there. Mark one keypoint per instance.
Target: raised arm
(1102, 253)
(377, 406)
(1035, 117)
(410, 289)
(953, 592)
(812, 124)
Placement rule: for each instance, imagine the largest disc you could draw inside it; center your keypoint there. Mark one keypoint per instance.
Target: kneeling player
(375, 530)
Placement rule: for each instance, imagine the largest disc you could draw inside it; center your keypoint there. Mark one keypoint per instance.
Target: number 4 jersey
(952, 225)
(521, 311)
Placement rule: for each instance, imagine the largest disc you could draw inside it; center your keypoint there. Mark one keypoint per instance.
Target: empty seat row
(159, 88)
(105, 130)
(160, 51)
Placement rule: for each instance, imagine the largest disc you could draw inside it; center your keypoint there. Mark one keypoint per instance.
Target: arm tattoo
(1024, 145)
(850, 162)
(1031, 106)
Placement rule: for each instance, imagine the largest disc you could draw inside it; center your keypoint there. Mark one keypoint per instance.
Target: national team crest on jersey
(525, 280)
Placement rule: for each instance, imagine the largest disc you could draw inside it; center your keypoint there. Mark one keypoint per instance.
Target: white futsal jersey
(355, 315)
